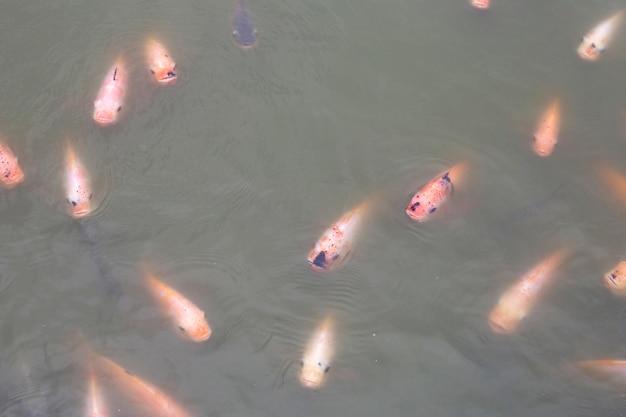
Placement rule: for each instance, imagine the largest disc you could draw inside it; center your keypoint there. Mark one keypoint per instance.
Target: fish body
(244, 32)
(480, 4)
(615, 279)
(95, 404)
(608, 371)
(547, 134)
(435, 194)
(77, 185)
(11, 173)
(519, 299)
(613, 180)
(111, 95)
(318, 355)
(335, 244)
(188, 317)
(597, 39)
(161, 65)
(139, 390)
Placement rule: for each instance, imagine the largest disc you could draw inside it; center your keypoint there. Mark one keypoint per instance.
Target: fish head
(543, 146)
(506, 316)
(195, 327)
(324, 259)
(80, 205)
(312, 375)
(244, 32)
(589, 49)
(165, 74)
(615, 279)
(480, 4)
(12, 174)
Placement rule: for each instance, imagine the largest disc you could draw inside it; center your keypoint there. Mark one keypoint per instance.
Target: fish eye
(171, 73)
(302, 362)
(90, 195)
(175, 66)
(182, 329)
(593, 45)
(326, 368)
(119, 108)
(152, 71)
(74, 203)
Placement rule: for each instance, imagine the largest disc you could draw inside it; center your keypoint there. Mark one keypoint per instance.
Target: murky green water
(223, 182)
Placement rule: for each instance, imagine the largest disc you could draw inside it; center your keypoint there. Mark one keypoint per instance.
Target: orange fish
(189, 318)
(335, 244)
(95, 405)
(77, 185)
(598, 38)
(111, 95)
(547, 134)
(615, 279)
(12, 174)
(137, 389)
(613, 180)
(317, 357)
(160, 63)
(434, 194)
(480, 4)
(609, 371)
(519, 299)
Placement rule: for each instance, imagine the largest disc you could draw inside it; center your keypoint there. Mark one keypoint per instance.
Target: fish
(615, 279)
(244, 32)
(111, 95)
(95, 404)
(609, 371)
(436, 193)
(161, 64)
(519, 299)
(613, 180)
(336, 243)
(77, 185)
(547, 134)
(318, 355)
(11, 172)
(188, 317)
(136, 388)
(480, 4)
(597, 39)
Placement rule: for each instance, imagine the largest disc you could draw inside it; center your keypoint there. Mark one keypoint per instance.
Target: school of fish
(336, 244)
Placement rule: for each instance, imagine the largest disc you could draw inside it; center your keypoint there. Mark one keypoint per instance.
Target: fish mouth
(415, 217)
(248, 43)
(202, 335)
(81, 211)
(587, 53)
(310, 381)
(480, 4)
(542, 151)
(498, 327)
(166, 76)
(103, 117)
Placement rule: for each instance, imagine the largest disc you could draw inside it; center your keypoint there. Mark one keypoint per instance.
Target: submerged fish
(77, 185)
(103, 264)
(519, 299)
(317, 356)
(608, 371)
(111, 95)
(480, 4)
(244, 32)
(10, 172)
(161, 65)
(436, 193)
(335, 244)
(598, 38)
(613, 180)
(547, 134)
(188, 317)
(95, 404)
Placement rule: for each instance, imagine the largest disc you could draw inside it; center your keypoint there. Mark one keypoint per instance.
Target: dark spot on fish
(320, 260)
(182, 329)
(326, 368)
(414, 206)
(128, 372)
(119, 108)
(90, 196)
(302, 361)
(432, 210)
(593, 45)
(171, 74)
(152, 71)
(446, 177)
(114, 74)
(74, 203)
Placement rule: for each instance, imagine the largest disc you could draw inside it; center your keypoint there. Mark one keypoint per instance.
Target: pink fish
(317, 356)
(111, 95)
(598, 38)
(77, 185)
(480, 4)
(161, 64)
(10, 172)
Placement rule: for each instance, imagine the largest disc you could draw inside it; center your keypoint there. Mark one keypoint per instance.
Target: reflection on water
(225, 180)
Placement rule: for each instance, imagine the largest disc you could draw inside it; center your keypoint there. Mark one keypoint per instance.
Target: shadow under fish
(105, 268)
(524, 213)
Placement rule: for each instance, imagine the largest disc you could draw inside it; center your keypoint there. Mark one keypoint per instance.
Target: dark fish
(244, 33)
(105, 269)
